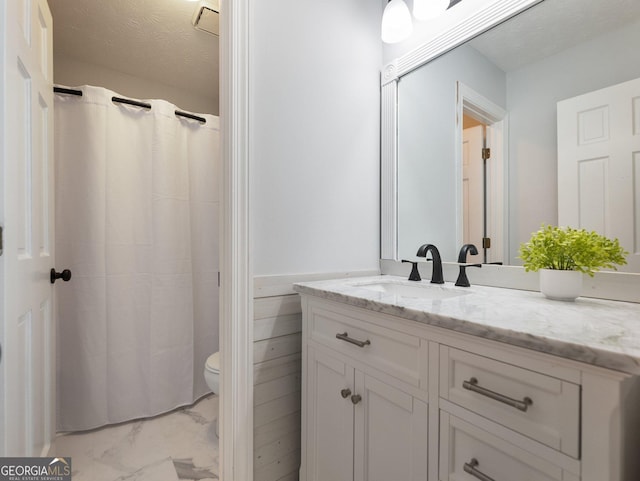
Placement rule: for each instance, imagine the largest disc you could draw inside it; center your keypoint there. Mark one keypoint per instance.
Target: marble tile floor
(178, 446)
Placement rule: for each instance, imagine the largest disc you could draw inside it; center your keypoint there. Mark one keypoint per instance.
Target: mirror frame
(484, 17)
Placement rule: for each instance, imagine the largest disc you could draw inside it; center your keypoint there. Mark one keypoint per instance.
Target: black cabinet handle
(472, 385)
(472, 468)
(345, 337)
(65, 275)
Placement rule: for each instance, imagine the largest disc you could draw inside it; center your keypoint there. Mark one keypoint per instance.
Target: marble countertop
(594, 331)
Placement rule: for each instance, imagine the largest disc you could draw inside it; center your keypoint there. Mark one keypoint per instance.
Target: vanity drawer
(398, 354)
(536, 405)
(468, 452)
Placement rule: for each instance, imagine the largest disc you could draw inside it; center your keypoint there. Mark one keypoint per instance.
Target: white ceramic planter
(560, 285)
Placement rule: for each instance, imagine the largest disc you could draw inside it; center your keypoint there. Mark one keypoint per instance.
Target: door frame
(236, 269)
(495, 118)
(3, 96)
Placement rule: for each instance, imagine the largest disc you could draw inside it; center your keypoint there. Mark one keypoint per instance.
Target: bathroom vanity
(413, 381)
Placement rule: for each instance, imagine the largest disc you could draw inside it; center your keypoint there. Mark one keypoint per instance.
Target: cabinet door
(330, 418)
(390, 433)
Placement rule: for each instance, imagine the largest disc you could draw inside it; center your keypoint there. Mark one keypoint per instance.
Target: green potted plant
(563, 255)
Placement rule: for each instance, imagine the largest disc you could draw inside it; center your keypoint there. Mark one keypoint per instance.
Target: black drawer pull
(472, 385)
(345, 337)
(470, 468)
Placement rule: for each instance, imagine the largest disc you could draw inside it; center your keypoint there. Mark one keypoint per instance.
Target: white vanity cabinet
(387, 398)
(359, 422)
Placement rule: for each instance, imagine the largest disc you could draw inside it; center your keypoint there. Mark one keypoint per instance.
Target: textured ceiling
(152, 39)
(552, 26)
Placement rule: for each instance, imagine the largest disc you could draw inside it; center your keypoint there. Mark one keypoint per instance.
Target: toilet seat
(213, 362)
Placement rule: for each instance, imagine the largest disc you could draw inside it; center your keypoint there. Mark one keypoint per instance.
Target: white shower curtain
(137, 224)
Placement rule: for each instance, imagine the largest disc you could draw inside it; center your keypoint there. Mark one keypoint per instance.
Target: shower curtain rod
(144, 105)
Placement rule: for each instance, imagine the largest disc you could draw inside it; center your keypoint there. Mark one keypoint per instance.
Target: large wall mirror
(504, 91)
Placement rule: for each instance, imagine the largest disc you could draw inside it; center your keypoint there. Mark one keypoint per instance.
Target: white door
(390, 433)
(599, 165)
(473, 186)
(329, 418)
(27, 369)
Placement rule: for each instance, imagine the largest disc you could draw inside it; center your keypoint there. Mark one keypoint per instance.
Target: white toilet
(212, 377)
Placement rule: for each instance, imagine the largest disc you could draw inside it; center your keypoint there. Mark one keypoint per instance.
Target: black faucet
(436, 276)
(463, 280)
(415, 273)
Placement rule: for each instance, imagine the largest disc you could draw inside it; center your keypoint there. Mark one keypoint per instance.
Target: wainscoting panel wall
(277, 373)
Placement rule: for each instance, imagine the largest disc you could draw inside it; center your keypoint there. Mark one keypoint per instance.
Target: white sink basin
(413, 290)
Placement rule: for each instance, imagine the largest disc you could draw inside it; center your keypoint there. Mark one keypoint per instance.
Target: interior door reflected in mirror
(474, 171)
(482, 133)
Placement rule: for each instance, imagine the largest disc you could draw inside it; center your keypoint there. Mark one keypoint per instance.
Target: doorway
(73, 68)
(236, 454)
(480, 148)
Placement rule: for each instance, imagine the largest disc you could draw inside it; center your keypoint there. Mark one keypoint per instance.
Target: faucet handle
(415, 273)
(463, 280)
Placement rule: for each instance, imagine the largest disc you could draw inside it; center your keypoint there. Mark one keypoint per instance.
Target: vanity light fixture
(396, 22)
(428, 9)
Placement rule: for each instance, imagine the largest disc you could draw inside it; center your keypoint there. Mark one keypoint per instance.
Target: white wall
(532, 94)
(315, 123)
(71, 72)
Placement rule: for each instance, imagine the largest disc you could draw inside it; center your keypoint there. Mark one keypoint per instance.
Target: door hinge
(486, 153)
(1, 239)
(218, 278)
(486, 242)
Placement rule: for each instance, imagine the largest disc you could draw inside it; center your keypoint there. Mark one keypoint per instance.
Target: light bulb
(427, 9)
(396, 22)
